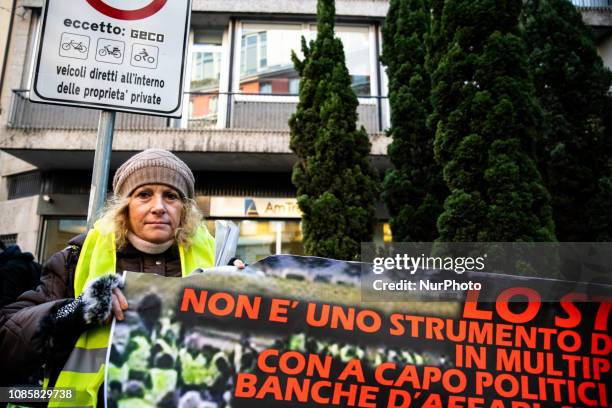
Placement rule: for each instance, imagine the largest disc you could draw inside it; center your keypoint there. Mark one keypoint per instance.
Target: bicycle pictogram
(108, 50)
(143, 55)
(80, 47)
(72, 45)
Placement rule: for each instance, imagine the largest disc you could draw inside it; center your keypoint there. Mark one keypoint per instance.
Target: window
(265, 88)
(261, 238)
(356, 42)
(9, 239)
(267, 84)
(294, 86)
(205, 77)
(24, 185)
(265, 57)
(206, 69)
(382, 233)
(254, 53)
(57, 233)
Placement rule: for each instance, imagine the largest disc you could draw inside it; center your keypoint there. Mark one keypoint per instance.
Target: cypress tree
(487, 125)
(336, 184)
(414, 189)
(435, 43)
(572, 85)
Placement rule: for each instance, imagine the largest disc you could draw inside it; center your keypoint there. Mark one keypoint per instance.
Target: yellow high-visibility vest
(84, 369)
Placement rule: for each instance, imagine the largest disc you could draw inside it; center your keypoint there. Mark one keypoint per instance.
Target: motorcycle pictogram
(144, 56)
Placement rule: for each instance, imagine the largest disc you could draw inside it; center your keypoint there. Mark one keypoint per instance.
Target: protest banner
(294, 331)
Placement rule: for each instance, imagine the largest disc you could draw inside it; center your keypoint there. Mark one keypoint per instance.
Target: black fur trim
(59, 330)
(97, 298)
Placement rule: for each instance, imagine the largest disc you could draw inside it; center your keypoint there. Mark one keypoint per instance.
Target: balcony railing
(593, 4)
(212, 110)
(27, 115)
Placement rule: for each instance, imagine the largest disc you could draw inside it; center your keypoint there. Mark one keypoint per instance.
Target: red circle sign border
(138, 14)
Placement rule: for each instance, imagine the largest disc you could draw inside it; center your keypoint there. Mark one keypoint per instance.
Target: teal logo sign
(250, 209)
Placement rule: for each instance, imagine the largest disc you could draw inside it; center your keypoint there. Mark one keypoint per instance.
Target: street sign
(105, 54)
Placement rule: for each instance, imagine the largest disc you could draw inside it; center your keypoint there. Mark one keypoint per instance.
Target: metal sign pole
(99, 178)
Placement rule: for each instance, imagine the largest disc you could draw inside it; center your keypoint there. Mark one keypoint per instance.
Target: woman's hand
(102, 299)
(239, 264)
(119, 304)
(97, 304)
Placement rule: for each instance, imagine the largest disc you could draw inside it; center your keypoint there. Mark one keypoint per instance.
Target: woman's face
(154, 212)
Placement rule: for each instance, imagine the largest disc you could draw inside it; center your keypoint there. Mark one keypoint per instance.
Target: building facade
(598, 15)
(240, 92)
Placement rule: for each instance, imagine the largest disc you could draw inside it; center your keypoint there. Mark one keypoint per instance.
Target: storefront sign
(106, 54)
(238, 207)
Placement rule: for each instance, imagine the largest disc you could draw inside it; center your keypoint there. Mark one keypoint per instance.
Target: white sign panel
(113, 54)
(254, 207)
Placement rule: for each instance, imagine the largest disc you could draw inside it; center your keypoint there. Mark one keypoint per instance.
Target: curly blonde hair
(115, 219)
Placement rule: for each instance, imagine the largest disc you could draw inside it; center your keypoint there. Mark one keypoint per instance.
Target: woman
(152, 225)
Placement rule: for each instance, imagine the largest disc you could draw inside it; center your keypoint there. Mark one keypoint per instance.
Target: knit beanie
(154, 166)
